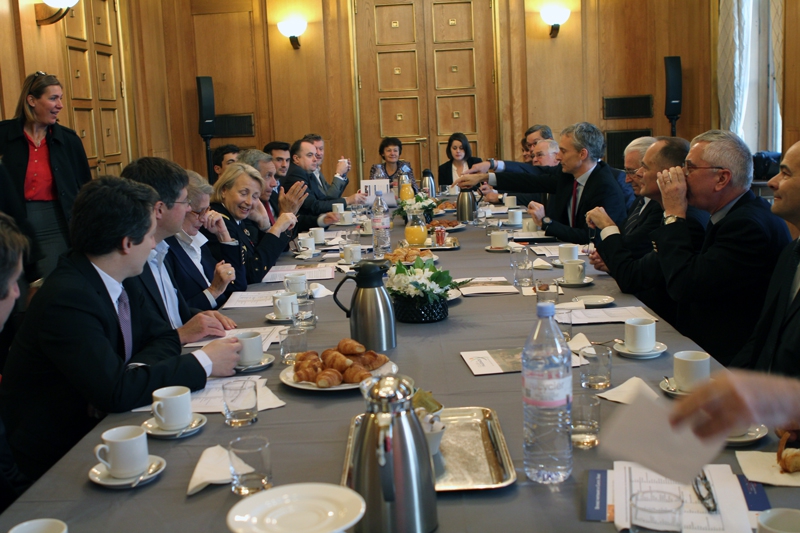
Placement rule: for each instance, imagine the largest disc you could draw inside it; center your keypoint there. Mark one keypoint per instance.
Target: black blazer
(317, 202)
(720, 289)
(146, 284)
(68, 360)
(637, 238)
(11, 205)
(188, 279)
(260, 250)
(67, 161)
(773, 346)
(601, 190)
(445, 174)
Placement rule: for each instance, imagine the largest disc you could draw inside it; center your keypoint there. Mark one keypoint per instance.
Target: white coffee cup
(318, 234)
(573, 270)
(515, 216)
(172, 407)
(305, 235)
(306, 244)
(509, 201)
(346, 217)
(295, 282)
(338, 208)
(40, 525)
(500, 239)
(529, 225)
(125, 448)
(691, 369)
(352, 253)
(368, 226)
(779, 521)
(252, 347)
(567, 252)
(282, 303)
(640, 334)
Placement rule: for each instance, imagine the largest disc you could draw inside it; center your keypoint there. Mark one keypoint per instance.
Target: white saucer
(498, 250)
(672, 394)
(99, 474)
(275, 320)
(557, 263)
(267, 360)
(315, 253)
(657, 350)
(754, 433)
(151, 428)
(453, 294)
(586, 281)
(299, 508)
(593, 301)
(354, 223)
(507, 224)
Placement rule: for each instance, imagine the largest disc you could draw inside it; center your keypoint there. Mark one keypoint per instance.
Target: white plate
(657, 350)
(287, 377)
(453, 294)
(672, 394)
(557, 263)
(267, 360)
(299, 508)
(593, 301)
(275, 320)
(439, 213)
(507, 224)
(409, 263)
(586, 281)
(457, 227)
(754, 433)
(450, 210)
(345, 223)
(99, 474)
(151, 428)
(497, 250)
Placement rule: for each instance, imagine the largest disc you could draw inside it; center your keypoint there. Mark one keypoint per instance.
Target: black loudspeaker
(205, 99)
(672, 66)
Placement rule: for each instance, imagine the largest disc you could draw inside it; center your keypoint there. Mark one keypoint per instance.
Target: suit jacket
(146, 284)
(637, 237)
(335, 187)
(774, 343)
(317, 202)
(260, 250)
(11, 205)
(68, 361)
(627, 190)
(445, 174)
(739, 253)
(601, 190)
(188, 279)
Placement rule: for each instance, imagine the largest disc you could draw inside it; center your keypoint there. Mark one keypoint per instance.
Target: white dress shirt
(192, 246)
(169, 294)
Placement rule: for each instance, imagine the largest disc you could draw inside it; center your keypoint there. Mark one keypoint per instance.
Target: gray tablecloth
(308, 435)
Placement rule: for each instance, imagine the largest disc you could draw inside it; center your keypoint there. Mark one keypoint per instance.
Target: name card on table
(312, 271)
(370, 187)
(501, 361)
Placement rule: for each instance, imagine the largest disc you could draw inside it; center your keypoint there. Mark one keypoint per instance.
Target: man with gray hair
(644, 216)
(580, 183)
(739, 252)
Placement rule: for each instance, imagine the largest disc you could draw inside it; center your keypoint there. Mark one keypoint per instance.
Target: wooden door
(96, 87)
(425, 70)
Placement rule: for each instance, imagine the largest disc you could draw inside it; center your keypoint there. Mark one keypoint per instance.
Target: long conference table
(309, 434)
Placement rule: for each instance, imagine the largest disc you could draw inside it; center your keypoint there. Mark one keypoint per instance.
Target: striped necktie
(630, 224)
(124, 312)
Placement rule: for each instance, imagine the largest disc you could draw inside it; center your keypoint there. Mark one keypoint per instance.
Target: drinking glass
(585, 418)
(564, 320)
(597, 374)
(303, 315)
(545, 291)
(656, 511)
(251, 465)
(293, 341)
(240, 402)
(521, 263)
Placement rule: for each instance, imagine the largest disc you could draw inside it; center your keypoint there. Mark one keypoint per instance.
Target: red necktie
(268, 207)
(574, 200)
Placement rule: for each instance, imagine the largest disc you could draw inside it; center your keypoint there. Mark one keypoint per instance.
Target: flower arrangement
(422, 281)
(421, 201)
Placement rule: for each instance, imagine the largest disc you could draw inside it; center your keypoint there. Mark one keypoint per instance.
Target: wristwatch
(669, 219)
(546, 221)
(492, 164)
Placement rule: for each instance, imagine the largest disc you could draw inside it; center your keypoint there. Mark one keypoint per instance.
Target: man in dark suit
(643, 215)
(738, 255)
(304, 163)
(156, 280)
(87, 345)
(336, 187)
(581, 183)
(773, 346)
(281, 156)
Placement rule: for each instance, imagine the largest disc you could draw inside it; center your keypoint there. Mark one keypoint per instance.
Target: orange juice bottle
(416, 231)
(406, 190)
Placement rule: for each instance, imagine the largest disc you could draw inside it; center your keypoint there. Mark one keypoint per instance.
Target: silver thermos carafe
(428, 183)
(392, 468)
(466, 206)
(371, 313)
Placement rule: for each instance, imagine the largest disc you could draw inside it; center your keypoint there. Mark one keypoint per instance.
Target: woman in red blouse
(47, 165)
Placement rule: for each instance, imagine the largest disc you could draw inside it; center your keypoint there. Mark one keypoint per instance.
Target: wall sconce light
(293, 28)
(554, 16)
(51, 11)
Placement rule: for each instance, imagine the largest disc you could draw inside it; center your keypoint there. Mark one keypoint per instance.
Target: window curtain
(776, 25)
(733, 62)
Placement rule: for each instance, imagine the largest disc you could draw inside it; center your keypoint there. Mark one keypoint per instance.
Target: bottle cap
(378, 193)
(545, 309)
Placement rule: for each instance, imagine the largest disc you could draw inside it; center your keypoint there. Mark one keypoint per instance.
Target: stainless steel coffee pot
(392, 468)
(466, 206)
(428, 183)
(371, 312)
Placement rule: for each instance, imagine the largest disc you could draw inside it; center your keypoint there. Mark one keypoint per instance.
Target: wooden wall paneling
(592, 57)
(791, 73)
(511, 77)
(10, 59)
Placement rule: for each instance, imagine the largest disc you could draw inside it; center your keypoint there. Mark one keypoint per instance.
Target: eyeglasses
(631, 171)
(203, 211)
(39, 73)
(689, 168)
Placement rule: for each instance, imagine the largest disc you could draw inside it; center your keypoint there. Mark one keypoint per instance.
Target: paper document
(312, 271)
(630, 478)
(609, 314)
(487, 285)
(551, 251)
(249, 299)
(269, 334)
(209, 399)
(502, 361)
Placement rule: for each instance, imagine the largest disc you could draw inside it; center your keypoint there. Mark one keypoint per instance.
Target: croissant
(330, 377)
(788, 460)
(351, 347)
(305, 356)
(334, 359)
(370, 360)
(356, 374)
(308, 373)
(326, 352)
(309, 363)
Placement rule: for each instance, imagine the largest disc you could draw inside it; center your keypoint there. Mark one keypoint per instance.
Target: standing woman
(47, 165)
(459, 154)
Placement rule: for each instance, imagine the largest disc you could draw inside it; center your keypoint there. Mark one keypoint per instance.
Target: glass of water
(251, 465)
(240, 402)
(585, 418)
(303, 315)
(597, 374)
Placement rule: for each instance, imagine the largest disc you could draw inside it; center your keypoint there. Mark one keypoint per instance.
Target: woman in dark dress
(459, 155)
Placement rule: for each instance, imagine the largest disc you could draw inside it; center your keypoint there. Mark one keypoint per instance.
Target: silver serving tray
(450, 244)
(473, 454)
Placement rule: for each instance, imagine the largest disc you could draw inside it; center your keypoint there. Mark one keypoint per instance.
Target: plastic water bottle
(381, 237)
(546, 400)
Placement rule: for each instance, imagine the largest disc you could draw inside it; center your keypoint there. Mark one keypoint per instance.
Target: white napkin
(319, 290)
(214, 467)
(570, 305)
(531, 291)
(763, 468)
(541, 264)
(579, 342)
(514, 246)
(626, 392)
(307, 254)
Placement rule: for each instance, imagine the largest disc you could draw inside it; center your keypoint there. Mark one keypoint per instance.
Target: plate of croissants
(339, 368)
(407, 256)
